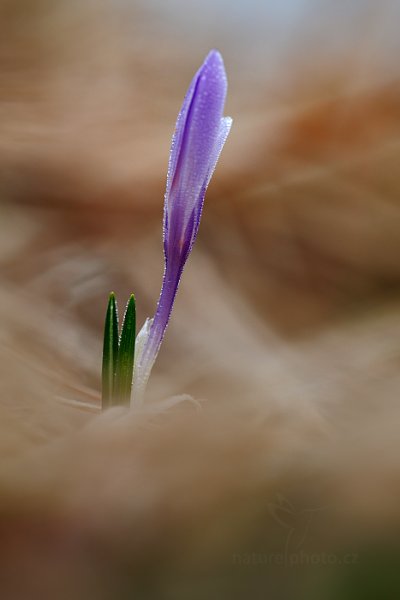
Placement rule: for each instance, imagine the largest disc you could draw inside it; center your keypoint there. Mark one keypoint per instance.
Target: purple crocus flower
(200, 133)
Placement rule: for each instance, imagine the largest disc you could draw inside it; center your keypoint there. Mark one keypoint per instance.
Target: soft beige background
(286, 326)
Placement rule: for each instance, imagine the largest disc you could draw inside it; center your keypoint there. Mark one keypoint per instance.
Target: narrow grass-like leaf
(126, 354)
(110, 352)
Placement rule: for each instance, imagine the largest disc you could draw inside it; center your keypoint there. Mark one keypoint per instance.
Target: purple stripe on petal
(180, 125)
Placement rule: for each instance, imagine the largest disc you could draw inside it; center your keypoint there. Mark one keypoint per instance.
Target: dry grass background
(285, 331)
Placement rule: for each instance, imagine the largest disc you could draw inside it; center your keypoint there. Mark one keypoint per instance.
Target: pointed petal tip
(214, 55)
(214, 61)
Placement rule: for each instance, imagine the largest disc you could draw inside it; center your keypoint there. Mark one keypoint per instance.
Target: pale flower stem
(148, 352)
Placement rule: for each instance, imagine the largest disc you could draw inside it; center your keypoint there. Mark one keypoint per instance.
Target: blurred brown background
(286, 323)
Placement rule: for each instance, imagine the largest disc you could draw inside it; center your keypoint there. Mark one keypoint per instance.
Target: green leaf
(110, 352)
(126, 355)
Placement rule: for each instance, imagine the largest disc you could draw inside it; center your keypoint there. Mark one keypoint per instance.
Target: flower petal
(224, 129)
(194, 220)
(194, 142)
(199, 137)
